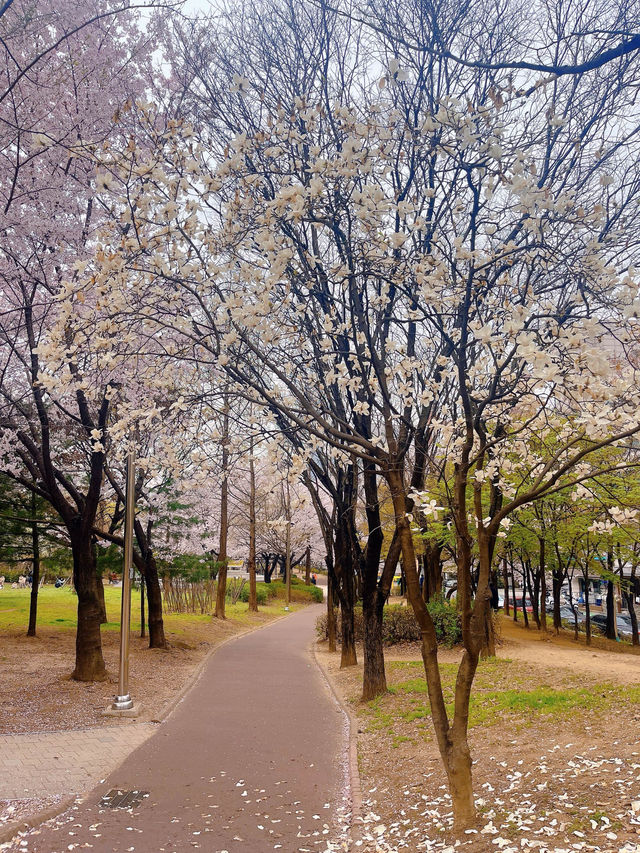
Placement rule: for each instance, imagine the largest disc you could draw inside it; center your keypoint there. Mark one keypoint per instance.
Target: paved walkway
(252, 759)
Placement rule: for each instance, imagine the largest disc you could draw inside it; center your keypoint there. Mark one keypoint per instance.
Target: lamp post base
(123, 703)
(122, 707)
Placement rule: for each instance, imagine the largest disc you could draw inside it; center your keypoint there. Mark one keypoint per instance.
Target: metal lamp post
(123, 701)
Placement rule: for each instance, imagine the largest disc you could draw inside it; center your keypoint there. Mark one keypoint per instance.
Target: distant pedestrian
(314, 580)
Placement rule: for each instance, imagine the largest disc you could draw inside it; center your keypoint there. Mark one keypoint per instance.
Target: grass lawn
(57, 610)
(504, 691)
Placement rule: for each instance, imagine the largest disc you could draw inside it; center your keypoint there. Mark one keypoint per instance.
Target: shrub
(183, 596)
(193, 568)
(262, 593)
(299, 592)
(235, 587)
(11, 576)
(399, 624)
(269, 588)
(315, 592)
(446, 620)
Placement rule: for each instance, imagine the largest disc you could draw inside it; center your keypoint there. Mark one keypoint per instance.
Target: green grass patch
(503, 690)
(57, 610)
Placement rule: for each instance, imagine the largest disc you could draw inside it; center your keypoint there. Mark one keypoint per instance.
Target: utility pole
(123, 701)
(287, 562)
(221, 591)
(253, 596)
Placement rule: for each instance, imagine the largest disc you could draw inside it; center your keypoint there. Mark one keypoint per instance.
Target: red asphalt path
(252, 759)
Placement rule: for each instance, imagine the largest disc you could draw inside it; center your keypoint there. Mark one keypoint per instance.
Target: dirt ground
(549, 782)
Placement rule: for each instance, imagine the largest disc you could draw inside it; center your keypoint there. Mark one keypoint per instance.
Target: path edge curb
(11, 830)
(354, 771)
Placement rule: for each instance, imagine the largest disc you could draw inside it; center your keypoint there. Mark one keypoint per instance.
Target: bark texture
(35, 569)
(89, 660)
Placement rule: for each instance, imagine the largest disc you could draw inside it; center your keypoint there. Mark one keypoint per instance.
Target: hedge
(399, 623)
(300, 592)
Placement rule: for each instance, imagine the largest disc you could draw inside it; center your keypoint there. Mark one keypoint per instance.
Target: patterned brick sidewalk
(70, 762)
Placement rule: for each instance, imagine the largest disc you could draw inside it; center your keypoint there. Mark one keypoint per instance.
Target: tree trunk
(143, 627)
(557, 580)
(635, 639)
(451, 737)
(459, 775)
(348, 655)
(287, 556)
(270, 563)
(611, 632)
(432, 583)
(35, 571)
(505, 580)
(543, 597)
(374, 592)
(374, 681)
(332, 628)
(612, 627)
(157, 639)
(534, 588)
(89, 660)
(531, 592)
(221, 591)
(587, 606)
(307, 566)
(99, 585)
(489, 644)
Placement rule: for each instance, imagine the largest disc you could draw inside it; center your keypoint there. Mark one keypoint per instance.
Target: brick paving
(71, 762)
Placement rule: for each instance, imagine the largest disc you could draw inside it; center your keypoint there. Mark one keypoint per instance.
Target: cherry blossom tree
(65, 89)
(434, 261)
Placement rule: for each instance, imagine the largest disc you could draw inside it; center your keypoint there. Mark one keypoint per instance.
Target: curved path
(252, 759)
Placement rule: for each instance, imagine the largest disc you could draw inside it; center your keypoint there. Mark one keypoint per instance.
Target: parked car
(599, 621)
(566, 614)
(623, 624)
(527, 603)
(625, 628)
